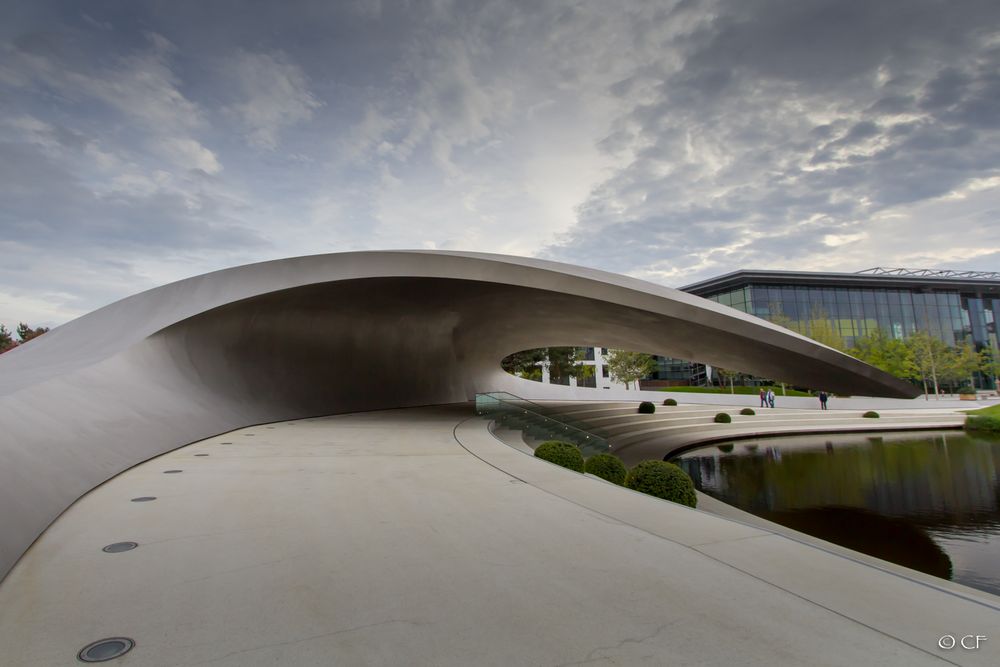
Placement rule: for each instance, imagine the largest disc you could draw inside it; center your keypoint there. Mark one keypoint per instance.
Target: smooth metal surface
(329, 334)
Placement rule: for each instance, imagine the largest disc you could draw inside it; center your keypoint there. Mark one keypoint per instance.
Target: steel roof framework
(930, 273)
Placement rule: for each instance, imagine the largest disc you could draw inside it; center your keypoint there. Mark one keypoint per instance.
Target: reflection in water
(930, 502)
(890, 539)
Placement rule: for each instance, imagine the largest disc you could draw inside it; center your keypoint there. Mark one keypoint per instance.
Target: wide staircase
(618, 427)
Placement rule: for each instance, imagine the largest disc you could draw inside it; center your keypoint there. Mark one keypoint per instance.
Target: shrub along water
(871, 414)
(607, 466)
(723, 418)
(663, 480)
(647, 408)
(987, 423)
(747, 411)
(670, 401)
(561, 453)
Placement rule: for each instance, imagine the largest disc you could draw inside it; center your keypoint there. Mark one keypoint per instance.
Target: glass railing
(520, 414)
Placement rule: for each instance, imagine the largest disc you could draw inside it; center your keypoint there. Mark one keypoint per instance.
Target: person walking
(770, 397)
(763, 398)
(822, 400)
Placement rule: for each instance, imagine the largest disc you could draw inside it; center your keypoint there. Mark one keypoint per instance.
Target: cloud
(140, 85)
(670, 140)
(189, 154)
(779, 125)
(274, 95)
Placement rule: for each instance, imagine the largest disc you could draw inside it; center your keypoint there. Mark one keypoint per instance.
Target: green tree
(776, 315)
(629, 367)
(26, 333)
(525, 364)
(957, 366)
(989, 363)
(887, 353)
(563, 363)
(7, 341)
(820, 328)
(928, 351)
(726, 375)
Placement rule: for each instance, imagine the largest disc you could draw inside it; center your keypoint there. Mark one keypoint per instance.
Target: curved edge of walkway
(903, 604)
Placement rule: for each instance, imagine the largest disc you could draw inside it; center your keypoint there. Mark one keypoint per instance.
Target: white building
(601, 378)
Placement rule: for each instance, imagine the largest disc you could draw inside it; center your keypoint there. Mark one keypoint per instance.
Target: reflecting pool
(929, 500)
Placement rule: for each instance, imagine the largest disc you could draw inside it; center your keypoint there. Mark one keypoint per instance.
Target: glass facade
(676, 370)
(852, 312)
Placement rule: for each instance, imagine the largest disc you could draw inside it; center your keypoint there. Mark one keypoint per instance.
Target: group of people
(767, 398)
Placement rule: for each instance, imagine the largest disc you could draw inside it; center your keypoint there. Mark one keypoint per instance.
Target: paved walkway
(414, 537)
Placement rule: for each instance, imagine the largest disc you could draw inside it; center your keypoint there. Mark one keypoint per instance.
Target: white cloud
(274, 95)
(189, 154)
(670, 140)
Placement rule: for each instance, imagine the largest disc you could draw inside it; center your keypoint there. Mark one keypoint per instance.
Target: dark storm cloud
(782, 113)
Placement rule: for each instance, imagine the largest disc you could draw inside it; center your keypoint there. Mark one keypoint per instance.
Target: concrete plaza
(415, 537)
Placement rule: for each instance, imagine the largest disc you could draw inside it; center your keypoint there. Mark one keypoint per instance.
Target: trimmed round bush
(986, 423)
(747, 411)
(670, 401)
(607, 466)
(723, 418)
(663, 480)
(647, 408)
(726, 448)
(561, 453)
(871, 414)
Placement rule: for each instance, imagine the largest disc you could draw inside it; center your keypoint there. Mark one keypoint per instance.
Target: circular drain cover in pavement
(201, 454)
(119, 547)
(225, 443)
(105, 649)
(167, 472)
(143, 499)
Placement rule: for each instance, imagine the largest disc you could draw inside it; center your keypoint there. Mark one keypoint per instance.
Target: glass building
(955, 306)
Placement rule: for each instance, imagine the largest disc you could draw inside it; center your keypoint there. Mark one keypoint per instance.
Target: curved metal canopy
(338, 333)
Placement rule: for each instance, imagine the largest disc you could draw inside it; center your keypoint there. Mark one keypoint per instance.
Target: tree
(629, 367)
(562, 362)
(989, 363)
(26, 333)
(957, 365)
(818, 326)
(7, 341)
(726, 375)
(821, 329)
(928, 351)
(526, 364)
(887, 353)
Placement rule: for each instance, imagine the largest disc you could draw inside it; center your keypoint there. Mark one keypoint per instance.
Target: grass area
(992, 411)
(738, 389)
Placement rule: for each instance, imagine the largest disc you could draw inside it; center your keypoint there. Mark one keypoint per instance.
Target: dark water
(929, 501)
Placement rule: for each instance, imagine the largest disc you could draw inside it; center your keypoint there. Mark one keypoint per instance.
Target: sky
(145, 142)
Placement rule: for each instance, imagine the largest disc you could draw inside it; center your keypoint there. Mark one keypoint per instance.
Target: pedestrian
(770, 397)
(763, 398)
(822, 400)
